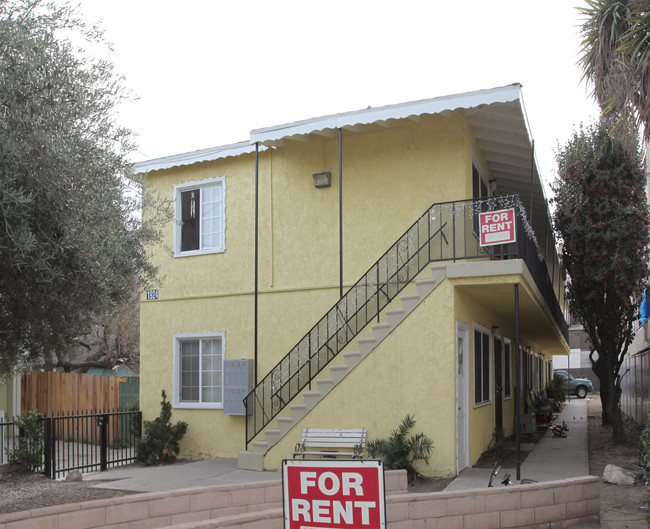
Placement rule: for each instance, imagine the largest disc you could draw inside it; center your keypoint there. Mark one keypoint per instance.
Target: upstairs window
(200, 217)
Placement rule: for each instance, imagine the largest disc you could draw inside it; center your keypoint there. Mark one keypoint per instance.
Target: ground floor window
(482, 371)
(198, 370)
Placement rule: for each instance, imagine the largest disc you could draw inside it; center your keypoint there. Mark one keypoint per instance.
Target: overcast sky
(207, 72)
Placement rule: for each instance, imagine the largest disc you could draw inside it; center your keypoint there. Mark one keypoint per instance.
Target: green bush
(402, 452)
(556, 388)
(30, 445)
(160, 442)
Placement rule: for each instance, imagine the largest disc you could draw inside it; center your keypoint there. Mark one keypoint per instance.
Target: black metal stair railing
(445, 232)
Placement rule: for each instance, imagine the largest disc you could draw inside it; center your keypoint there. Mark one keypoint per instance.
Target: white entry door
(462, 396)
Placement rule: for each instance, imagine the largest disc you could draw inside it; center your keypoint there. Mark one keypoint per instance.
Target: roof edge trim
(435, 105)
(189, 158)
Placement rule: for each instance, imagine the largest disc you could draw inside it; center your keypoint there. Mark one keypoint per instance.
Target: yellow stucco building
(339, 259)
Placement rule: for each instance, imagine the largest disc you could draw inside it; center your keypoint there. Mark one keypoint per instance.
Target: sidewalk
(551, 458)
(209, 472)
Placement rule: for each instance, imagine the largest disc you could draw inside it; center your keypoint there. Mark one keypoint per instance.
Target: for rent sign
(497, 227)
(333, 494)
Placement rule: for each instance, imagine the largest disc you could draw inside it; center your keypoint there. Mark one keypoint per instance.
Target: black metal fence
(85, 441)
(445, 232)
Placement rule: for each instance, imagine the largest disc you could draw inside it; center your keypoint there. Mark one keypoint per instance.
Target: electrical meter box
(238, 382)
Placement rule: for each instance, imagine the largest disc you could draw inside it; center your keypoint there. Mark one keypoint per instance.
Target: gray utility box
(238, 382)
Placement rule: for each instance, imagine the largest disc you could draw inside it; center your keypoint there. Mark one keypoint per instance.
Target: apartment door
(462, 396)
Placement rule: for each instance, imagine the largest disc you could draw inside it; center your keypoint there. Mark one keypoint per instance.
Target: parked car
(576, 386)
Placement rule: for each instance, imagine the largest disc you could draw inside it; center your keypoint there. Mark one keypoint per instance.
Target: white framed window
(200, 217)
(507, 368)
(198, 370)
(482, 365)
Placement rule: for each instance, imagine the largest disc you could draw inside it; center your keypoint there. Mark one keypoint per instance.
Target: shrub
(160, 442)
(30, 446)
(556, 388)
(401, 452)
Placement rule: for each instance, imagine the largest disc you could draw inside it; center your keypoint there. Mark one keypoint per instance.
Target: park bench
(330, 442)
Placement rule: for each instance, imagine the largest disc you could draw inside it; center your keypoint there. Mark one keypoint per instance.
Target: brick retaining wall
(554, 504)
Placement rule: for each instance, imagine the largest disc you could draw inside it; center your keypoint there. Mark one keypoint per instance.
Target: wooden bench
(329, 442)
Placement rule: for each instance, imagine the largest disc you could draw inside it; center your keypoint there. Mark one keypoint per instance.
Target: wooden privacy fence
(65, 394)
(57, 393)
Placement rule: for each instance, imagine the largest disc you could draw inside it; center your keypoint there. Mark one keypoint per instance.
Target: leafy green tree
(602, 219)
(69, 232)
(615, 59)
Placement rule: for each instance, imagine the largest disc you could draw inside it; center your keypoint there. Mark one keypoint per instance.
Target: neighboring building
(360, 204)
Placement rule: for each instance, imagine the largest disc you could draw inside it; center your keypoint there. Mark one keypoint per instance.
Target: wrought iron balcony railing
(445, 232)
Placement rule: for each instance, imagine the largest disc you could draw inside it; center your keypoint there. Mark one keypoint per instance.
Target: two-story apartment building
(341, 257)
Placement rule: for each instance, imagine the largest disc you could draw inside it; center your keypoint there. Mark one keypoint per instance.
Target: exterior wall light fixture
(323, 179)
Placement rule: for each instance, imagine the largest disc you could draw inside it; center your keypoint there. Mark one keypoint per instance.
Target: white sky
(208, 71)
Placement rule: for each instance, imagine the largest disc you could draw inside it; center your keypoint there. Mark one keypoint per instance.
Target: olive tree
(70, 232)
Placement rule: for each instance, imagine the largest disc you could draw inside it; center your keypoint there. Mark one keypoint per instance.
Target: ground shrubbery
(160, 441)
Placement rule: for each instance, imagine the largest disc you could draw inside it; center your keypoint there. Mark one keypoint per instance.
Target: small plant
(161, 440)
(556, 388)
(31, 444)
(399, 451)
(500, 448)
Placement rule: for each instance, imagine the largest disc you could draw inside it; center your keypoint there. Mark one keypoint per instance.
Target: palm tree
(615, 58)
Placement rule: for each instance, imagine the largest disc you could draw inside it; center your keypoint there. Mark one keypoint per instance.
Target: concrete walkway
(551, 457)
(208, 472)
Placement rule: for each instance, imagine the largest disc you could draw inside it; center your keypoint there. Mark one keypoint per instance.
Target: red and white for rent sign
(333, 494)
(497, 227)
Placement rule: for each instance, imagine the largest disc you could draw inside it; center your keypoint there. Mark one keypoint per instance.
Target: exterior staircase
(253, 458)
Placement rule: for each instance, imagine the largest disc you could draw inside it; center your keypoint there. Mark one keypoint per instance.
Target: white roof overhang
(496, 115)
(189, 158)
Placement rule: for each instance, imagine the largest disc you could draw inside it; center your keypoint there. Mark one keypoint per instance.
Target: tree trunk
(610, 396)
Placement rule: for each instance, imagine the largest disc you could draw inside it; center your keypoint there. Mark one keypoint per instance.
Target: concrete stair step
(410, 301)
(261, 447)
(285, 424)
(338, 372)
(352, 358)
(298, 411)
(249, 460)
(366, 345)
(395, 316)
(273, 435)
(311, 398)
(325, 385)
